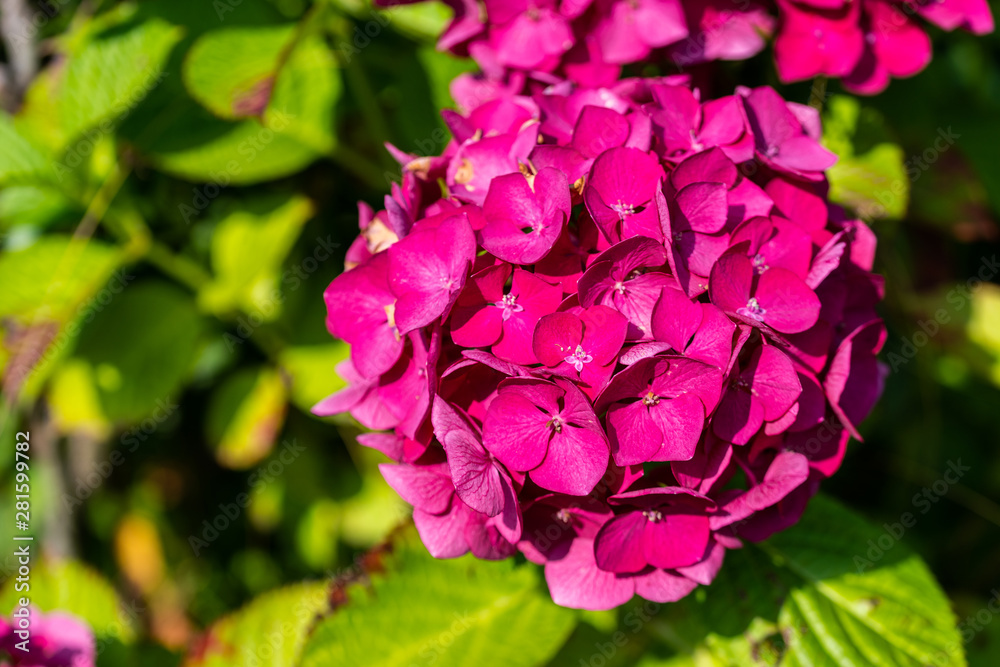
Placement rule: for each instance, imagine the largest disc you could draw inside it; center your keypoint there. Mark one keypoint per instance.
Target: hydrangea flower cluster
(864, 42)
(618, 330)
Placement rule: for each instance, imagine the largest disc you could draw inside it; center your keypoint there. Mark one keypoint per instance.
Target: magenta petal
(622, 181)
(788, 471)
(680, 420)
(615, 547)
(359, 303)
(477, 479)
(677, 376)
(576, 461)
(704, 206)
(738, 417)
(599, 129)
(638, 299)
(443, 535)
(705, 570)
(774, 381)
(711, 166)
(725, 126)
(478, 327)
(730, 282)
(515, 431)
(484, 539)
(854, 380)
(675, 116)
(635, 437)
(476, 320)
(660, 586)
(603, 334)
(395, 446)
(657, 496)
(787, 302)
(806, 154)
(826, 261)
(515, 342)
(425, 487)
(706, 468)
(713, 342)
(575, 581)
(427, 269)
(640, 351)
(811, 402)
(509, 521)
(675, 540)
(557, 336)
(676, 318)
(524, 221)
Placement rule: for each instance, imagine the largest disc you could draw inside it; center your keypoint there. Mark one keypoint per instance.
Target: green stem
(178, 267)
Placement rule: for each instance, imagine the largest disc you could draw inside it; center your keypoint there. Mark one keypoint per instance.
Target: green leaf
(869, 177)
(20, 160)
(75, 402)
(425, 21)
(316, 536)
(71, 587)
(311, 368)
(133, 383)
(295, 129)
(983, 328)
(268, 632)
(36, 206)
(454, 612)
(248, 248)
(306, 93)
(51, 279)
(200, 147)
(822, 593)
(231, 71)
(245, 417)
(111, 72)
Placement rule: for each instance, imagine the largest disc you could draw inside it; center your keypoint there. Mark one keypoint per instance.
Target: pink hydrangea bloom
(629, 333)
(864, 42)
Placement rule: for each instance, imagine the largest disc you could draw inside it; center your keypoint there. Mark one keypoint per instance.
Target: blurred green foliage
(178, 186)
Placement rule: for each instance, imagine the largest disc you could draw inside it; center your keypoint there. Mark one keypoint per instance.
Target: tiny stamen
(578, 359)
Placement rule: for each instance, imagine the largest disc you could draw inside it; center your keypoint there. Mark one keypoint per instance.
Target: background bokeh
(178, 184)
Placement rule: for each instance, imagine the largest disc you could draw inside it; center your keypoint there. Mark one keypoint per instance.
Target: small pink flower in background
(58, 639)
